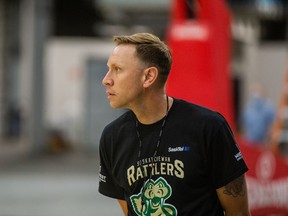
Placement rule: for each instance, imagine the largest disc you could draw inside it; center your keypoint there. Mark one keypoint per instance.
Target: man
(165, 156)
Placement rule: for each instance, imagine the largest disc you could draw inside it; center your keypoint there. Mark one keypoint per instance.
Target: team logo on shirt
(154, 195)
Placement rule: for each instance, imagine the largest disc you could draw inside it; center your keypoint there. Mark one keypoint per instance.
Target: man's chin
(114, 105)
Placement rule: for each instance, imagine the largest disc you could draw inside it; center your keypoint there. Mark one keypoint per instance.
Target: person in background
(165, 156)
(258, 117)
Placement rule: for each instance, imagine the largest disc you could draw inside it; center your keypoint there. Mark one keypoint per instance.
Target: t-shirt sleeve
(107, 183)
(227, 162)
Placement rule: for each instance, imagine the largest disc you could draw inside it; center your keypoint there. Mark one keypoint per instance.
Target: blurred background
(53, 106)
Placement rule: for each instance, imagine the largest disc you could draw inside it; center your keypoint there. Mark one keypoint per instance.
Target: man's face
(124, 79)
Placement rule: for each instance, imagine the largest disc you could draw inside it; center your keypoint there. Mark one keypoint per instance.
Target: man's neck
(153, 109)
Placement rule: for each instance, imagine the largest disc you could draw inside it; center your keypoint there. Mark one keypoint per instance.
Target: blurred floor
(51, 185)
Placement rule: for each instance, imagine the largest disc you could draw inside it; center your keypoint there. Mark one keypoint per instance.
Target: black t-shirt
(197, 155)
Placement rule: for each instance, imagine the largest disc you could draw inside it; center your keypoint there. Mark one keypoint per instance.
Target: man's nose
(107, 80)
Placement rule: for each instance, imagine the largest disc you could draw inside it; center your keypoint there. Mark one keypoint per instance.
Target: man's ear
(150, 76)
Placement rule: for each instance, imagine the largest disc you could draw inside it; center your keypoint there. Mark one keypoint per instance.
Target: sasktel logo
(179, 149)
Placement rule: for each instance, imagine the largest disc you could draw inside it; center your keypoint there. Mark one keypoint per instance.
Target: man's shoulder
(197, 113)
(119, 122)
(198, 109)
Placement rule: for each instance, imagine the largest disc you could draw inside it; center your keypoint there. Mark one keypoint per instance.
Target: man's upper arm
(233, 197)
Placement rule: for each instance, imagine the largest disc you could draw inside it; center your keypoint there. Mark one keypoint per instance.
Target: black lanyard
(156, 148)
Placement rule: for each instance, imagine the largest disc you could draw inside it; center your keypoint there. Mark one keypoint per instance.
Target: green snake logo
(154, 195)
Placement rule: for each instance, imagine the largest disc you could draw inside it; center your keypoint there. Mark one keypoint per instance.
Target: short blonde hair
(151, 51)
